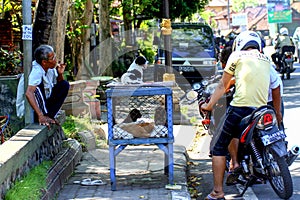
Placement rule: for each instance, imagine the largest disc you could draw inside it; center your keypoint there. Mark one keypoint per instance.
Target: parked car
(194, 56)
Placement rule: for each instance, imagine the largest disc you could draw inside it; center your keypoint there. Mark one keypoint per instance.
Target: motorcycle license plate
(273, 137)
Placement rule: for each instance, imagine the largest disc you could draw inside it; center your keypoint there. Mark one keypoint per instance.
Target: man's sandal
(209, 197)
(233, 176)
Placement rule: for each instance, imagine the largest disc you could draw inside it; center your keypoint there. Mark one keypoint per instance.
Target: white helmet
(246, 40)
(284, 31)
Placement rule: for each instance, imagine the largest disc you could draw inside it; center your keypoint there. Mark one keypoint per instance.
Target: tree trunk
(127, 16)
(58, 29)
(43, 22)
(84, 67)
(105, 40)
(50, 25)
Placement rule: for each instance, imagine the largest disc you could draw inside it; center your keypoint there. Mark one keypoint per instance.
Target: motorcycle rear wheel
(280, 177)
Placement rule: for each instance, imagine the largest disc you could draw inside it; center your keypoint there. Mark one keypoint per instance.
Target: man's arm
(277, 103)
(219, 92)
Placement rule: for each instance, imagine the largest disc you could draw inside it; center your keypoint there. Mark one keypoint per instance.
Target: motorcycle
(262, 152)
(287, 61)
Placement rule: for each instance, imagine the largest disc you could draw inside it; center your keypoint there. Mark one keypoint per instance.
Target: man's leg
(57, 98)
(218, 166)
(233, 151)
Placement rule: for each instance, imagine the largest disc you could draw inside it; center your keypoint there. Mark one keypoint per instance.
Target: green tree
(139, 10)
(238, 5)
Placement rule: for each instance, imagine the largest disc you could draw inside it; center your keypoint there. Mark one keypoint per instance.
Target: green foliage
(178, 8)
(208, 18)
(238, 5)
(73, 125)
(30, 187)
(118, 67)
(10, 61)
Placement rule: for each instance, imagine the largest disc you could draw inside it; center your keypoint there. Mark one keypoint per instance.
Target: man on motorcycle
(275, 86)
(251, 70)
(283, 39)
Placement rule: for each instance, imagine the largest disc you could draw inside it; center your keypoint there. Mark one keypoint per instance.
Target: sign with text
(279, 11)
(239, 19)
(27, 32)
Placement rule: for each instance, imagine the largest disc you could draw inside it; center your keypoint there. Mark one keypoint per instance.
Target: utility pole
(27, 52)
(228, 13)
(167, 31)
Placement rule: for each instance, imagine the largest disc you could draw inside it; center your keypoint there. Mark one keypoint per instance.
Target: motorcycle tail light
(206, 122)
(266, 121)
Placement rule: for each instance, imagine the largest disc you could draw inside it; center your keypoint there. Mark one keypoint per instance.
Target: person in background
(231, 38)
(283, 39)
(47, 88)
(296, 37)
(251, 70)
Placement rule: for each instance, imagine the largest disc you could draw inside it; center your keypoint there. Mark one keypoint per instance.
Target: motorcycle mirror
(191, 95)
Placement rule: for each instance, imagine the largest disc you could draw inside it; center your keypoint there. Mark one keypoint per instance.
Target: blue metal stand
(164, 143)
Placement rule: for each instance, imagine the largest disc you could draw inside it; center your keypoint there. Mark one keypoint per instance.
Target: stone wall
(81, 99)
(8, 95)
(27, 149)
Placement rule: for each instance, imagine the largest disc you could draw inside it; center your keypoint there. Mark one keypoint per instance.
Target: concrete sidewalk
(139, 171)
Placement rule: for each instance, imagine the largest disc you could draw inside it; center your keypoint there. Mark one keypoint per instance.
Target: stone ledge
(63, 168)
(25, 150)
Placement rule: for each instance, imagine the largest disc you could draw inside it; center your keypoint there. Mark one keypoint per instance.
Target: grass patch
(73, 125)
(32, 185)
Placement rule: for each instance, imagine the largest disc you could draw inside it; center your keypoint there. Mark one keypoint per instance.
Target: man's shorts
(231, 128)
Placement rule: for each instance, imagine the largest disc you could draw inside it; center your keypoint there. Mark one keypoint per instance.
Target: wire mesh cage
(140, 115)
(129, 109)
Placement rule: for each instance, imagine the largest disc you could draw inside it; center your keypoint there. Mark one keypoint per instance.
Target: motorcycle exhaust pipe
(293, 153)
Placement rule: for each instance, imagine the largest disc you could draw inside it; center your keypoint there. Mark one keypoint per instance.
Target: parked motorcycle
(287, 61)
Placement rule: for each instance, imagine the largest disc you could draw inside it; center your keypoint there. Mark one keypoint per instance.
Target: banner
(279, 11)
